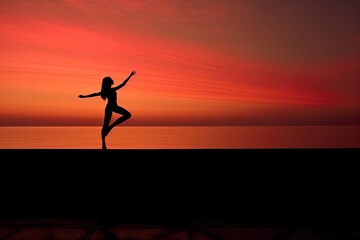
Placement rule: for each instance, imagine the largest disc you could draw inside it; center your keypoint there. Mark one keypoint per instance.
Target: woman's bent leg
(125, 116)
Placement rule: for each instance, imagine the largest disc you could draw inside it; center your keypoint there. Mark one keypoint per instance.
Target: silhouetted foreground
(108, 92)
(258, 187)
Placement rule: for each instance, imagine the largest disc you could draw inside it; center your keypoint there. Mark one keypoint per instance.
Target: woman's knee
(128, 115)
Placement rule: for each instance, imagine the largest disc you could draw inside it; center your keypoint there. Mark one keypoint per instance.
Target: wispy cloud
(57, 50)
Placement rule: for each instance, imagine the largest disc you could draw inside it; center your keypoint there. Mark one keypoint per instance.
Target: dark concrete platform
(256, 187)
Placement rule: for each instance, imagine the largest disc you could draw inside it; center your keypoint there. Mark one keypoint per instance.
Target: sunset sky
(198, 62)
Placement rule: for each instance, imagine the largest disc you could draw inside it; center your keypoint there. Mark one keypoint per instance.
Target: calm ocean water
(226, 137)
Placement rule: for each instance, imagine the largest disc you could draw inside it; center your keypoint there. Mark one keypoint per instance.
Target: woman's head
(106, 86)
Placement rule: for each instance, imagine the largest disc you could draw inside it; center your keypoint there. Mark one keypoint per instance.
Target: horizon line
(204, 125)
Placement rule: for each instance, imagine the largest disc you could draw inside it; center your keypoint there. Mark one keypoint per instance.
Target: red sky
(202, 62)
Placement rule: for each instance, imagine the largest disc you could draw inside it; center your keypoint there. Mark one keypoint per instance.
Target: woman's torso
(111, 96)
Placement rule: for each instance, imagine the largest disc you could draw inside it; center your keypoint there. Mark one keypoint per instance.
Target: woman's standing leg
(105, 129)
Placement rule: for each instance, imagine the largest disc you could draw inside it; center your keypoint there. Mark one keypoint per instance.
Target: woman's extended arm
(90, 95)
(125, 81)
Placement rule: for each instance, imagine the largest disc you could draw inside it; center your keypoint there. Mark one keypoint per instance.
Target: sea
(180, 137)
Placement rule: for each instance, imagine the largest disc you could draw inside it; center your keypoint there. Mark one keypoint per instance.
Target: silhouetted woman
(107, 92)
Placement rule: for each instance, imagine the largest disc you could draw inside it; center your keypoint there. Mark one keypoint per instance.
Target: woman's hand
(132, 73)
(80, 96)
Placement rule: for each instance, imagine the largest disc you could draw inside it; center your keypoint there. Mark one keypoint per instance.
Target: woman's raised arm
(125, 81)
